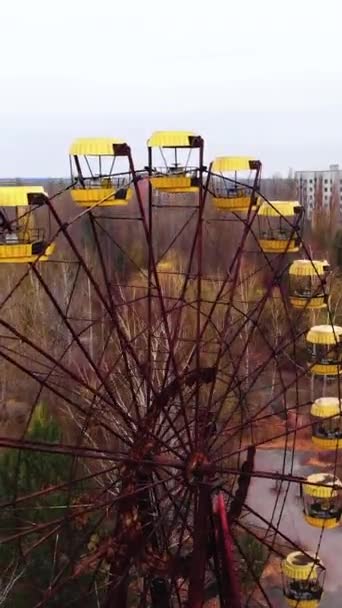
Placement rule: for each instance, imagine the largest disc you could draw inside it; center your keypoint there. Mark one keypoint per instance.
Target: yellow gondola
(20, 241)
(326, 415)
(307, 284)
(279, 224)
(325, 347)
(322, 502)
(92, 164)
(176, 176)
(230, 196)
(302, 580)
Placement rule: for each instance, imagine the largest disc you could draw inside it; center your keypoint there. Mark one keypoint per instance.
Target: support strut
(225, 553)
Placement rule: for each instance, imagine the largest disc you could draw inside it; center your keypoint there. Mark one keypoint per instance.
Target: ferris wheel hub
(197, 468)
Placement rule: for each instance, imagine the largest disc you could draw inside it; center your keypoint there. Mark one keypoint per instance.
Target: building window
(325, 189)
(310, 180)
(326, 181)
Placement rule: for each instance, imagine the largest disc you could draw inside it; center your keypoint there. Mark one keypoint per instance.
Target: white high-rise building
(319, 188)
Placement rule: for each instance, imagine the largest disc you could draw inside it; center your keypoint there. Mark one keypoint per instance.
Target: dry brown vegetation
(97, 355)
(124, 250)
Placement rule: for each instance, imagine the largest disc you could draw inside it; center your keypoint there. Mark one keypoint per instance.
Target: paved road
(287, 515)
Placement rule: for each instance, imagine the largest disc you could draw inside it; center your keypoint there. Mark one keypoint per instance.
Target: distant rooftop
(334, 167)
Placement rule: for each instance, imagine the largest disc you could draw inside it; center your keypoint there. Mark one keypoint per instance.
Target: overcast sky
(253, 77)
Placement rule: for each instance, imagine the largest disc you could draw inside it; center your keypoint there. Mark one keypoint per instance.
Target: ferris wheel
(173, 321)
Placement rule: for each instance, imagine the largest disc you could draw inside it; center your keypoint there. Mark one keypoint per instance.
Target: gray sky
(253, 77)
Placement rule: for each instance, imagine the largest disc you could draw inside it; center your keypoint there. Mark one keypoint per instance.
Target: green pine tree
(25, 472)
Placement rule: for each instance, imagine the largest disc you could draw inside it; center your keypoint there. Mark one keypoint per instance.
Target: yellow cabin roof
(278, 208)
(223, 164)
(325, 488)
(325, 407)
(94, 146)
(171, 139)
(324, 334)
(308, 268)
(301, 567)
(16, 196)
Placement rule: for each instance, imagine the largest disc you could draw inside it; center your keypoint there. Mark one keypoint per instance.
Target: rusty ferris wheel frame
(177, 436)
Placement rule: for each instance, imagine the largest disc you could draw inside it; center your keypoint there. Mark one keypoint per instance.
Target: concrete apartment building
(319, 188)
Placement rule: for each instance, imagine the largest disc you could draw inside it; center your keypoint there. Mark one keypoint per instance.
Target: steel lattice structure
(166, 330)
